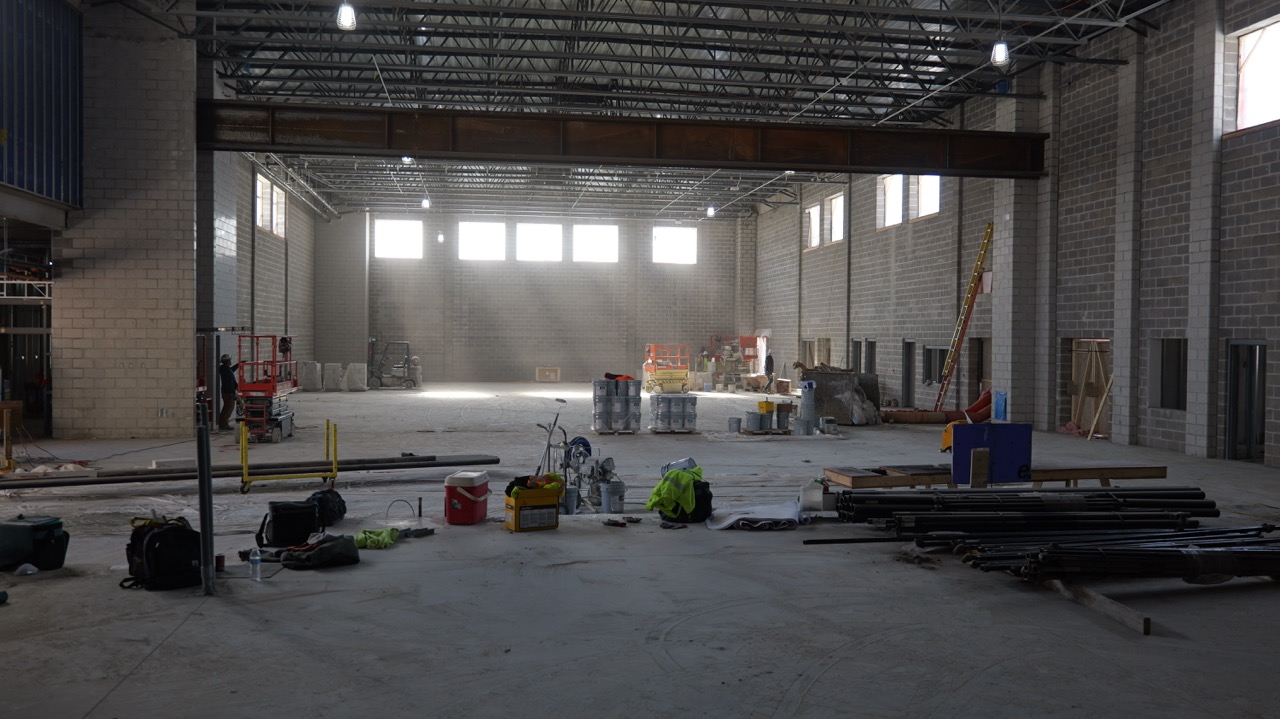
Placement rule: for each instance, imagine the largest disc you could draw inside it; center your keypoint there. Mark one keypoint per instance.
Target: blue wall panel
(41, 99)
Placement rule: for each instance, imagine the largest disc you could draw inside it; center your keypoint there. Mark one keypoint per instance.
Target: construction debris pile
(1072, 534)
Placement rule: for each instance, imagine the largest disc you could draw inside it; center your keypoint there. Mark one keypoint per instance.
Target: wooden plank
(1103, 605)
(1103, 473)
(848, 476)
(979, 467)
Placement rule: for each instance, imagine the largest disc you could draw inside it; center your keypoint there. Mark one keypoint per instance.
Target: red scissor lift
(267, 375)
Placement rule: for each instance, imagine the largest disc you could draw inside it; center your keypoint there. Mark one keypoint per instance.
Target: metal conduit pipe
(343, 466)
(235, 468)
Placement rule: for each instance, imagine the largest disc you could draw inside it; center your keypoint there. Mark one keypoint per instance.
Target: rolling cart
(267, 376)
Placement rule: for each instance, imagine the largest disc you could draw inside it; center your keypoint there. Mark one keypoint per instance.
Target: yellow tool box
(533, 509)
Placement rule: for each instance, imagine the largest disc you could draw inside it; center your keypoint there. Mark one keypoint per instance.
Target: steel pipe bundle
(262, 470)
(1190, 564)
(913, 524)
(862, 505)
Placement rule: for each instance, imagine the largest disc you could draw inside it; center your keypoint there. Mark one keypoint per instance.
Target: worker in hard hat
(227, 383)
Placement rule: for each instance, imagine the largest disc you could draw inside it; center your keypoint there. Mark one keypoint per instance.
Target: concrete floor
(589, 620)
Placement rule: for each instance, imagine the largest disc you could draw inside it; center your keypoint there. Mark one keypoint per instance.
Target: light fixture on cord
(1000, 54)
(1000, 50)
(406, 160)
(346, 17)
(426, 203)
(711, 211)
(440, 238)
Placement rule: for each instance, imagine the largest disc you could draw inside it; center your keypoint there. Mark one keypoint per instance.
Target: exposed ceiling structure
(882, 63)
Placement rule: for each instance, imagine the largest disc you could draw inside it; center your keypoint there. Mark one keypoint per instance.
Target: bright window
(928, 195)
(835, 208)
(539, 242)
(397, 239)
(890, 200)
(814, 216)
(273, 207)
(1259, 64)
(675, 245)
(595, 243)
(482, 241)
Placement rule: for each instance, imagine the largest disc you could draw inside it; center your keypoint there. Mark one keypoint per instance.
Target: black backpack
(163, 554)
(288, 524)
(330, 505)
(701, 506)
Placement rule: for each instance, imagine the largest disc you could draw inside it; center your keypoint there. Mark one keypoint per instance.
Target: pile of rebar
(1194, 555)
(912, 513)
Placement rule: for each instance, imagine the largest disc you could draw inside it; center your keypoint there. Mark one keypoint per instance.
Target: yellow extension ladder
(962, 322)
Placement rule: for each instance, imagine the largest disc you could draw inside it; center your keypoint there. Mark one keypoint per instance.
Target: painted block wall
(124, 315)
(824, 274)
(777, 281)
(500, 320)
(1250, 257)
(1087, 198)
(342, 290)
(1167, 117)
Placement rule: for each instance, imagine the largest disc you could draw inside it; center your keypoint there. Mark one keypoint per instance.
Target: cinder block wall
(123, 318)
(342, 290)
(777, 279)
(500, 320)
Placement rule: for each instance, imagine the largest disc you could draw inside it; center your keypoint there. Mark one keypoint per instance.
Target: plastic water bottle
(255, 565)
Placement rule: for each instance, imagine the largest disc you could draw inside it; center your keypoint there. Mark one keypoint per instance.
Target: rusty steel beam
(544, 138)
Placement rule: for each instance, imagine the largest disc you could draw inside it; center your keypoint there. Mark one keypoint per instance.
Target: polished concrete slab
(588, 619)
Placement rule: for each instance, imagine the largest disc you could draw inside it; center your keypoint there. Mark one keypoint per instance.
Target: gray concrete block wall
(123, 318)
(342, 290)
(1250, 259)
(500, 320)
(777, 280)
(1086, 180)
(300, 273)
(1167, 113)
(824, 274)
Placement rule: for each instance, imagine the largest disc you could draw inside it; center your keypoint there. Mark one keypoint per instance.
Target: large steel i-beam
(575, 139)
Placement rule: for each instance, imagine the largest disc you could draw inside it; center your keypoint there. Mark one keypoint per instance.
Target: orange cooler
(466, 497)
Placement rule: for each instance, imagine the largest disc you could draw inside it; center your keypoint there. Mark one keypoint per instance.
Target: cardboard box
(533, 509)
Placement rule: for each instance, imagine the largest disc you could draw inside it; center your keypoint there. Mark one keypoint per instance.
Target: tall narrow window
(397, 239)
(595, 243)
(928, 195)
(1257, 101)
(675, 245)
(890, 200)
(273, 207)
(482, 241)
(835, 210)
(813, 218)
(536, 242)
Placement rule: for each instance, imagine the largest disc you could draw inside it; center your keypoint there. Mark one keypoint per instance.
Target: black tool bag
(163, 554)
(701, 506)
(330, 506)
(287, 524)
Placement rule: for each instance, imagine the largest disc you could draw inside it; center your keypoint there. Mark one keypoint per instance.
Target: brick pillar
(1202, 272)
(123, 318)
(1014, 254)
(1126, 346)
(342, 289)
(1049, 370)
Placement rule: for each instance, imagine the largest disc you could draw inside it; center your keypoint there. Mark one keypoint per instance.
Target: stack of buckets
(764, 418)
(673, 412)
(466, 497)
(615, 405)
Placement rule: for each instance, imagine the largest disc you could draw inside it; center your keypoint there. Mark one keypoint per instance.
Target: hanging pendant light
(346, 17)
(1000, 54)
